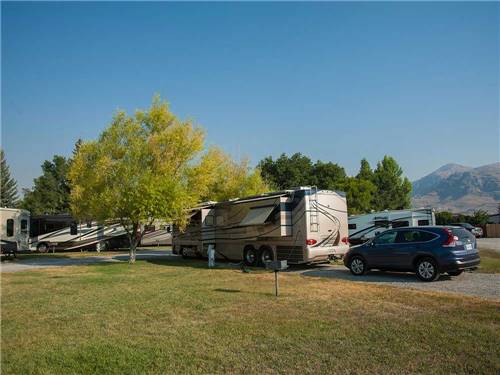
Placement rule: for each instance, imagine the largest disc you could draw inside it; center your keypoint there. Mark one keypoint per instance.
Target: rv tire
(42, 247)
(250, 256)
(265, 255)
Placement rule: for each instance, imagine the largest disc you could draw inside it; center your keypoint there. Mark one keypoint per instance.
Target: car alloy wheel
(357, 266)
(427, 270)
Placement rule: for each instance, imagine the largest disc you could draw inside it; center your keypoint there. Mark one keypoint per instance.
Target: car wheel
(427, 270)
(266, 255)
(357, 266)
(42, 247)
(250, 256)
(455, 273)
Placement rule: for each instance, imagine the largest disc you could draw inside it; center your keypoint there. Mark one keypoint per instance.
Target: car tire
(427, 270)
(250, 256)
(455, 273)
(265, 255)
(357, 265)
(42, 247)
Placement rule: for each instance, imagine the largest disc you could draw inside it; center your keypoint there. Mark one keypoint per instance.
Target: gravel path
(469, 283)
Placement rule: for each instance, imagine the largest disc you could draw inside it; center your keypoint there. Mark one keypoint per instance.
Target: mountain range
(458, 188)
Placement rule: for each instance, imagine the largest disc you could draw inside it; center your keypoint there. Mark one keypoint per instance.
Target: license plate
(468, 246)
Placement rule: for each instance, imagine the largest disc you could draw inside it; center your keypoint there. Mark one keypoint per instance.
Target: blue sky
(335, 81)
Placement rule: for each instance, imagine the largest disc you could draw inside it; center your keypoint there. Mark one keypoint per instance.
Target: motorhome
(81, 236)
(364, 227)
(157, 235)
(301, 225)
(15, 227)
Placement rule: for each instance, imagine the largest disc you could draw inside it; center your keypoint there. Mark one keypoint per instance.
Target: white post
(211, 256)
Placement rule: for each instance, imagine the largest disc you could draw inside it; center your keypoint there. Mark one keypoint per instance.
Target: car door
(381, 249)
(406, 245)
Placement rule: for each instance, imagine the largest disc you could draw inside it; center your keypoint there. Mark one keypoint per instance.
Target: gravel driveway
(469, 283)
(489, 243)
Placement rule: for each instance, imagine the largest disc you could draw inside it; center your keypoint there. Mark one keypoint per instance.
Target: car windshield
(466, 225)
(461, 233)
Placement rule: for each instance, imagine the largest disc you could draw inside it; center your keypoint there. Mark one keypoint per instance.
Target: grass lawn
(490, 261)
(177, 316)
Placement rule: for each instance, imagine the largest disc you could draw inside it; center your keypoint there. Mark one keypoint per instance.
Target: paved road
(489, 243)
(469, 283)
(45, 262)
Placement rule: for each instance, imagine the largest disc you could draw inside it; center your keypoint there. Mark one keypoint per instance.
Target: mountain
(458, 188)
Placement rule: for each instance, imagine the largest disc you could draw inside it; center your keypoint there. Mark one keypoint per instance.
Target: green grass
(179, 317)
(490, 261)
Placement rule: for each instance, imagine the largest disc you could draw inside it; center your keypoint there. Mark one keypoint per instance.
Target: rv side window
(209, 220)
(423, 222)
(169, 229)
(400, 224)
(24, 226)
(10, 227)
(73, 229)
(352, 226)
(219, 220)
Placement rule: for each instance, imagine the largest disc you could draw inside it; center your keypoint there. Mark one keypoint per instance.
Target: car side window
(408, 236)
(386, 238)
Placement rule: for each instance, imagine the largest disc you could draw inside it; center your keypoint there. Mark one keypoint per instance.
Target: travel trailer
(302, 225)
(81, 236)
(364, 227)
(157, 235)
(15, 229)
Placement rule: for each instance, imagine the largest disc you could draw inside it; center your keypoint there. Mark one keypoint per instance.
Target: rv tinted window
(423, 222)
(219, 220)
(400, 224)
(73, 229)
(24, 226)
(352, 226)
(209, 220)
(10, 227)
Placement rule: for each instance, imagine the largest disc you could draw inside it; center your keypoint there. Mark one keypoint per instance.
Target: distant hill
(458, 188)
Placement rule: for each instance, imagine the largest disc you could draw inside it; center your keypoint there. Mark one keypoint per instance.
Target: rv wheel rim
(250, 256)
(357, 265)
(426, 270)
(267, 256)
(42, 248)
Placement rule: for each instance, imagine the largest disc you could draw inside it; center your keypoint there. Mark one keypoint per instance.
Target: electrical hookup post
(276, 266)
(211, 256)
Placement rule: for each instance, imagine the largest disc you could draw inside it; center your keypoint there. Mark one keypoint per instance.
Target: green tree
(50, 193)
(365, 171)
(327, 175)
(145, 167)
(359, 194)
(444, 218)
(8, 192)
(286, 172)
(480, 217)
(393, 190)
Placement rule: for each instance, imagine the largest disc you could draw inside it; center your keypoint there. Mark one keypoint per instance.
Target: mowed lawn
(176, 316)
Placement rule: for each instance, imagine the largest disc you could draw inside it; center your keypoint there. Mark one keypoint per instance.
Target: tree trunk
(133, 246)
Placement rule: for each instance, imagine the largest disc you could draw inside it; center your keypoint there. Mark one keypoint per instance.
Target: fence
(492, 230)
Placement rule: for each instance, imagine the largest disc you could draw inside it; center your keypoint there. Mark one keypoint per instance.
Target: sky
(334, 81)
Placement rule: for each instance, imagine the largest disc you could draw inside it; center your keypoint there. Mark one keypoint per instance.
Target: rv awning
(257, 215)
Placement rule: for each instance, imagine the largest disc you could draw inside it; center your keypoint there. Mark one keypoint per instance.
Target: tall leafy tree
(286, 172)
(50, 193)
(359, 194)
(8, 192)
(393, 190)
(149, 166)
(365, 171)
(327, 175)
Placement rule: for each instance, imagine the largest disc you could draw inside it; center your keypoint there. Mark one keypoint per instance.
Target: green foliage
(151, 166)
(50, 193)
(329, 175)
(359, 195)
(444, 218)
(287, 172)
(393, 190)
(365, 171)
(8, 192)
(480, 217)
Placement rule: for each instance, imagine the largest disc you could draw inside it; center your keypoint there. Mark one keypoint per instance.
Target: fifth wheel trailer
(302, 225)
(364, 227)
(15, 228)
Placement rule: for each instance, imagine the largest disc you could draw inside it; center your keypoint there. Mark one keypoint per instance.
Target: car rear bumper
(460, 264)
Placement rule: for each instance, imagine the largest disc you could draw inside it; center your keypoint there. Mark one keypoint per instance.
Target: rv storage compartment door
(257, 215)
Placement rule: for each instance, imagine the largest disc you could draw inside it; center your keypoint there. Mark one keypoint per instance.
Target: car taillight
(451, 240)
(345, 240)
(311, 242)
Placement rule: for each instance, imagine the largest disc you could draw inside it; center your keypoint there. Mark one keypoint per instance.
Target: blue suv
(427, 251)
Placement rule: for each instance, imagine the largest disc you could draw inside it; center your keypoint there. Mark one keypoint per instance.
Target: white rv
(15, 229)
(88, 236)
(302, 225)
(157, 235)
(364, 227)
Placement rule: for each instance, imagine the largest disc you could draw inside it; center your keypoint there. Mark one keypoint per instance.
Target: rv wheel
(250, 256)
(266, 255)
(42, 247)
